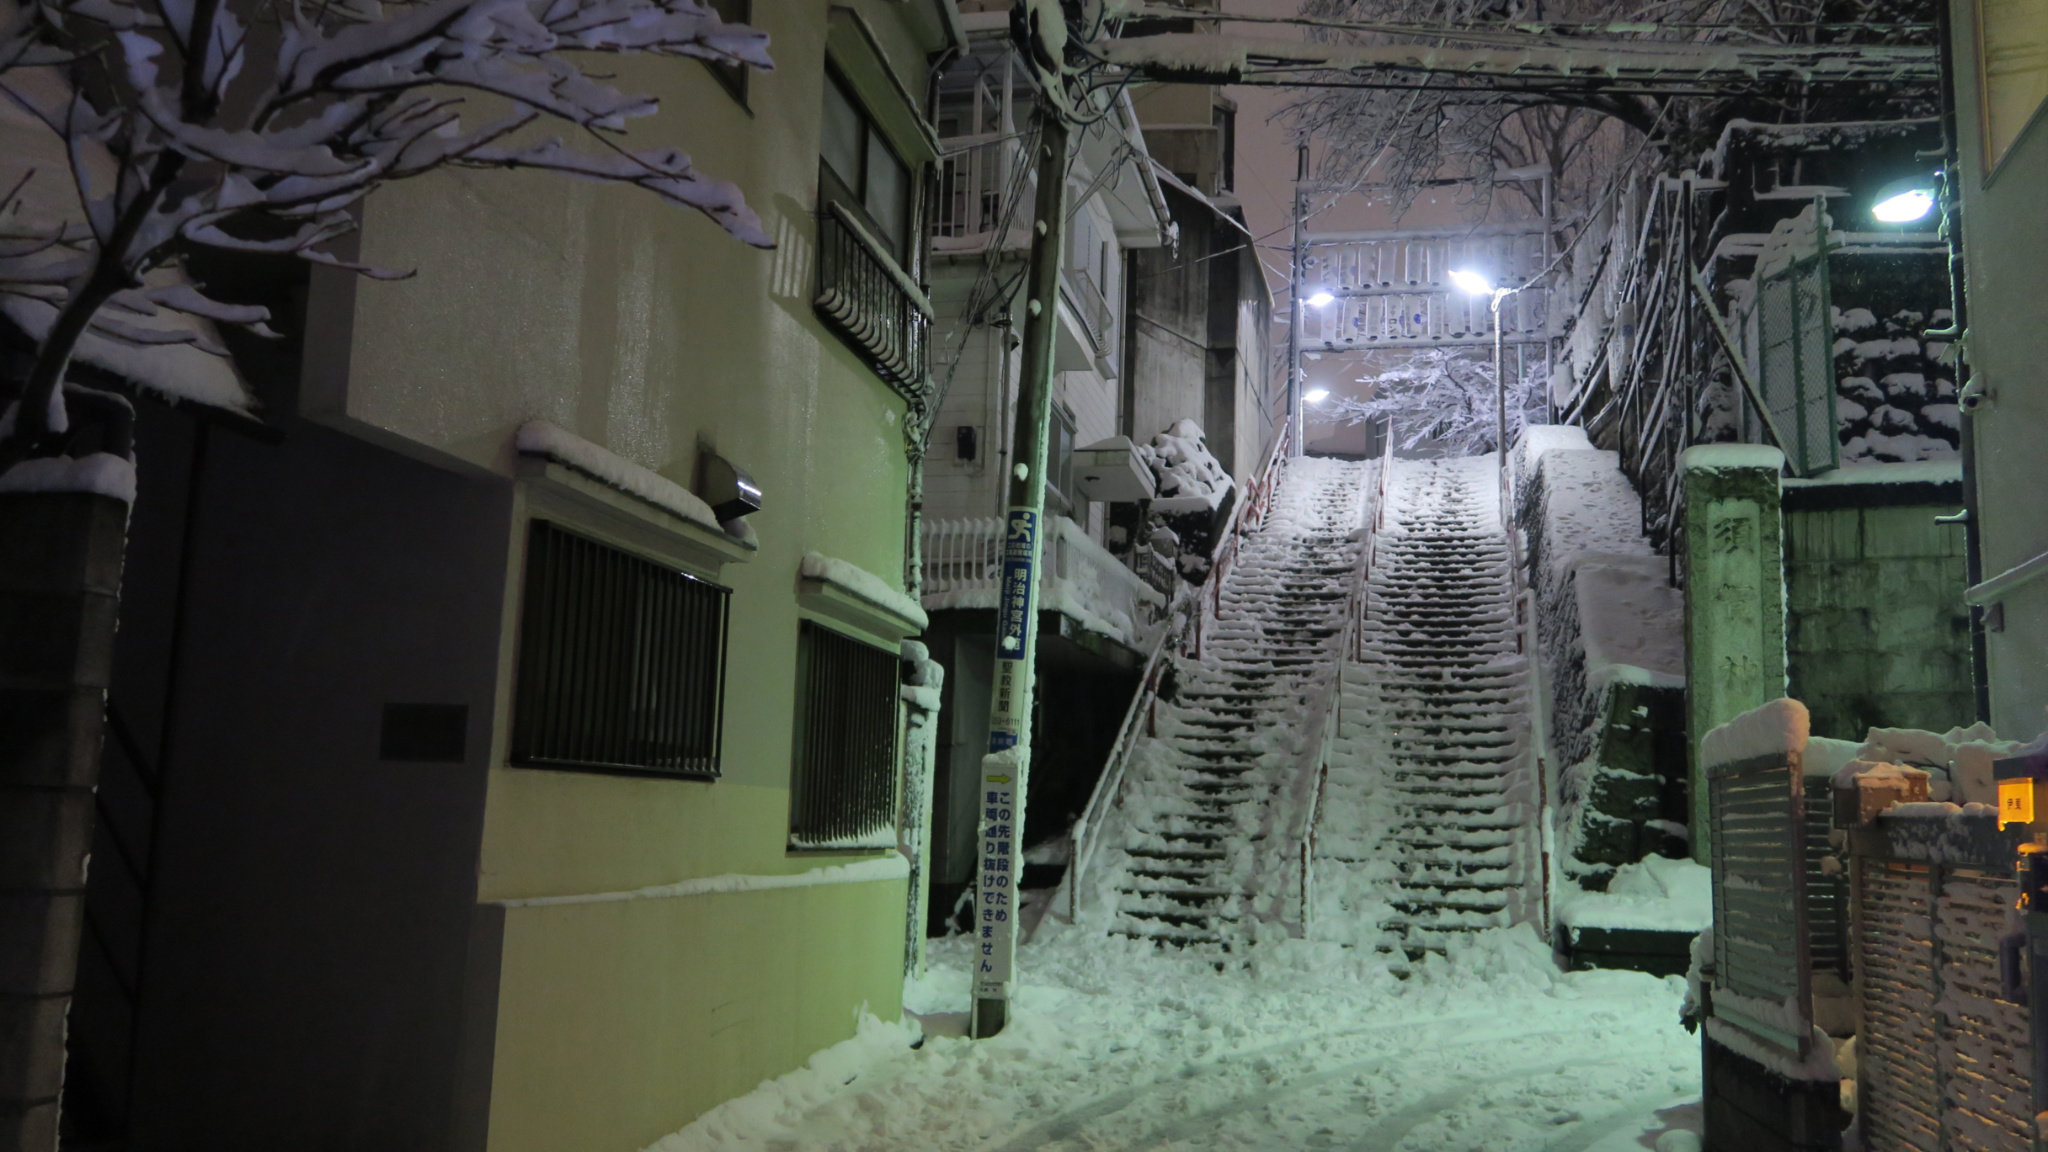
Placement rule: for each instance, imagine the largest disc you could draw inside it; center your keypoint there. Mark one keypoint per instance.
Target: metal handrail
(1254, 499)
(1352, 648)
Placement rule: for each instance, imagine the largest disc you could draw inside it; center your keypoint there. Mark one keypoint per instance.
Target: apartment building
(504, 734)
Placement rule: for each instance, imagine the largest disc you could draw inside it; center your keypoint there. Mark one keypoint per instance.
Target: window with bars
(621, 661)
(843, 791)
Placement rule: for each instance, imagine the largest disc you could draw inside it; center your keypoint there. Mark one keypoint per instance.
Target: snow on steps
(1202, 845)
(1427, 822)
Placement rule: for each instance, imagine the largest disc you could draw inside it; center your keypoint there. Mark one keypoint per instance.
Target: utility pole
(1295, 311)
(1006, 767)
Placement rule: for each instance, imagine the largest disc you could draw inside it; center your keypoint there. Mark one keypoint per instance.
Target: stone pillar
(60, 584)
(1734, 597)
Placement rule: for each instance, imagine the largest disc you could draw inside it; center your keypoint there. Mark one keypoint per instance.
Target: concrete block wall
(1877, 632)
(59, 599)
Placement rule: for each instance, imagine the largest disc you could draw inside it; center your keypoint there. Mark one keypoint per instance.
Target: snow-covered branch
(134, 129)
(1437, 398)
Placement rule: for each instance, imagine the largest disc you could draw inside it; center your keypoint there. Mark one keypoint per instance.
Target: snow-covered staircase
(1427, 824)
(1201, 847)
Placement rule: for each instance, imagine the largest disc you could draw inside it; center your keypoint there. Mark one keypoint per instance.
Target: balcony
(1077, 577)
(973, 177)
(869, 301)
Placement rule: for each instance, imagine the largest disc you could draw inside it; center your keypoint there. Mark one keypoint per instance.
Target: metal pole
(1500, 387)
(1005, 769)
(1294, 413)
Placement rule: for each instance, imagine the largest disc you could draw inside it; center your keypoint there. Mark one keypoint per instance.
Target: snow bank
(101, 473)
(1652, 894)
(890, 867)
(864, 584)
(540, 438)
(1631, 621)
(1114, 1043)
(1775, 729)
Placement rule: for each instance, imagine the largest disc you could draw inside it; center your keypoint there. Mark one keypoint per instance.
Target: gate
(1796, 359)
(1944, 1055)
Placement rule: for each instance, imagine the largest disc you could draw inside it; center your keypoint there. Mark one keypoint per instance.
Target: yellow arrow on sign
(997, 779)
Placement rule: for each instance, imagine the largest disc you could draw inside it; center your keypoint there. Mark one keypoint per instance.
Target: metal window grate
(621, 661)
(861, 299)
(1827, 893)
(844, 791)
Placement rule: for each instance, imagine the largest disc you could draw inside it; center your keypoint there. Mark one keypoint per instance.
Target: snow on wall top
(540, 438)
(1539, 440)
(1589, 507)
(101, 473)
(864, 584)
(1948, 471)
(891, 867)
(1631, 621)
(1703, 457)
(1779, 728)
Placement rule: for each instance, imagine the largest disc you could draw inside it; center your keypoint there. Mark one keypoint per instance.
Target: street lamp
(1317, 395)
(1476, 284)
(1903, 201)
(1319, 300)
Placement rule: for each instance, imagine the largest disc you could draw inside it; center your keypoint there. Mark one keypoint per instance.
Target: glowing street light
(1903, 201)
(1319, 300)
(1316, 395)
(1476, 284)
(1472, 283)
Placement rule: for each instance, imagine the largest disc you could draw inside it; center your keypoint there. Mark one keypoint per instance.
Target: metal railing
(1187, 618)
(1091, 306)
(973, 177)
(868, 299)
(963, 561)
(1351, 649)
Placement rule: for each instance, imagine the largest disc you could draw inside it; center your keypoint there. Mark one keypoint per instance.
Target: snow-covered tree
(1437, 398)
(260, 125)
(1471, 129)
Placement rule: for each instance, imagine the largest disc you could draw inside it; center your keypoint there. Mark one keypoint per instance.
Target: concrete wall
(649, 331)
(1876, 631)
(2004, 234)
(310, 904)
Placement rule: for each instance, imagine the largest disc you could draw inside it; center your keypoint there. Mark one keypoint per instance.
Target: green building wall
(1876, 631)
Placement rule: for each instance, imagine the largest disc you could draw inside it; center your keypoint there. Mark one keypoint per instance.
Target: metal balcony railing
(1091, 307)
(865, 297)
(973, 176)
(963, 561)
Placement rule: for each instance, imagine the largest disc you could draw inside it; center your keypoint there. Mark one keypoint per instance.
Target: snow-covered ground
(1116, 1045)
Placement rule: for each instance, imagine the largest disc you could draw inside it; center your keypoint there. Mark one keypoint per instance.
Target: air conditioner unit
(1112, 471)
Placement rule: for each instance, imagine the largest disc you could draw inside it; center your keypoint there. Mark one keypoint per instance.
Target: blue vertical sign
(1013, 623)
(1001, 819)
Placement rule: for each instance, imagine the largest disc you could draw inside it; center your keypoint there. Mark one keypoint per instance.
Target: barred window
(843, 791)
(621, 661)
